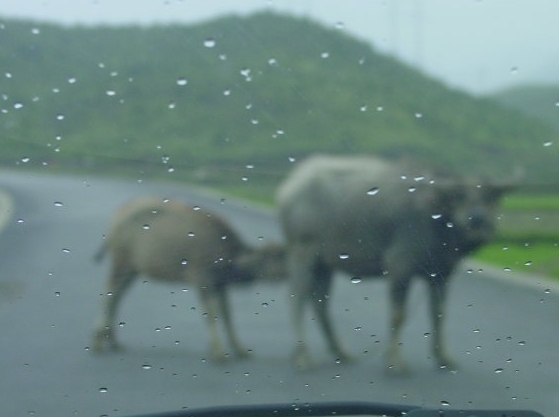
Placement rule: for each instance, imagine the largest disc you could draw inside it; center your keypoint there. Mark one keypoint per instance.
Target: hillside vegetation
(237, 100)
(538, 101)
(232, 103)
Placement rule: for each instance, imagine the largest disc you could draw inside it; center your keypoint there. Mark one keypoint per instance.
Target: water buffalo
(371, 217)
(171, 241)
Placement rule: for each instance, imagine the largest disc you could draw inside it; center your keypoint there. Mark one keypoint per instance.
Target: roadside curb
(534, 281)
(6, 209)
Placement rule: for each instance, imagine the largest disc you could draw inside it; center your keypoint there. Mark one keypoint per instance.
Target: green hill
(538, 101)
(240, 96)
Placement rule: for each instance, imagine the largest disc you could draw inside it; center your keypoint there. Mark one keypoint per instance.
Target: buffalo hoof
(243, 353)
(446, 364)
(302, 359)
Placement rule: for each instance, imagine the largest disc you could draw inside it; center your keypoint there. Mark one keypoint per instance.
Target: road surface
(504, 336)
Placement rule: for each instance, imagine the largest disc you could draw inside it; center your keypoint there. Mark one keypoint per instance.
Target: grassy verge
(528, 235)
(528, 231)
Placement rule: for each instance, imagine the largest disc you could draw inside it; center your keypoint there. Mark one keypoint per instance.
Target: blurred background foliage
(234, 102)
(210, 99)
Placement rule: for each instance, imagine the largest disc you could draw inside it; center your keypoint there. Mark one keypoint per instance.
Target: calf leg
(119, 281)
(225, 314)
(210, 303)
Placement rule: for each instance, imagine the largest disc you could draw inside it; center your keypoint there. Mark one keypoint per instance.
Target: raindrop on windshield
(373, 191)
(209, 42)
(182, 81)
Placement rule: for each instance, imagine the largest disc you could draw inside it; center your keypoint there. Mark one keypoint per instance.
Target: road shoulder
(6, 209)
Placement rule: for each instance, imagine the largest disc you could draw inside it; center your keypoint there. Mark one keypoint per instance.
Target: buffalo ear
(438, 198)
(495, 192)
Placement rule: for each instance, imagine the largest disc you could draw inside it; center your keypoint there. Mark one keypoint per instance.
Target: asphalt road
(503, 335)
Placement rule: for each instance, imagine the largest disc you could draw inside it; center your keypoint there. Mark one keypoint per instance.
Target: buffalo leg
(320, 293)
(210, 303)
(300, 262)
(437, 292)
(398, 293)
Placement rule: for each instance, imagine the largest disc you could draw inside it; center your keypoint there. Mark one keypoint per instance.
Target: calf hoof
(102, 338)
(400, 369)
(219, 358)
(344, 358)
(396, 365)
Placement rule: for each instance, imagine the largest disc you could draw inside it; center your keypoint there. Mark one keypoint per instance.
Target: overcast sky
(475, 45)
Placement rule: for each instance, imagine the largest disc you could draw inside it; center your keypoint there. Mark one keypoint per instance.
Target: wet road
(503, 335)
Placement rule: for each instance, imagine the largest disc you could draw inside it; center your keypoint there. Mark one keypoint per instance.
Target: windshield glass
(246, 202)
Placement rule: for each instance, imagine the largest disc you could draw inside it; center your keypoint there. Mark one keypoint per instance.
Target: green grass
(540, 258)
(528, 235)
(531, 202)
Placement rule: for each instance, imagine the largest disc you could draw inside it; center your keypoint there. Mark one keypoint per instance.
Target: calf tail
(100, 254)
